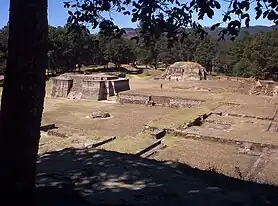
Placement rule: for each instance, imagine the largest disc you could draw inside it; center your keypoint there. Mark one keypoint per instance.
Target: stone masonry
(166, 101)
(186, 71)
(92, 86)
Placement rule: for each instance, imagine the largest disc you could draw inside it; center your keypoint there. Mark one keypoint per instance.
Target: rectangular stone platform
(159, 100)
(80, 86)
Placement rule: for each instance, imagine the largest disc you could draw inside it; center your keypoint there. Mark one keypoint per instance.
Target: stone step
(154, 151)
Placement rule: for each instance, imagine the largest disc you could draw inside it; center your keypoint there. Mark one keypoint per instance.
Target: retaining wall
(120, 85)
(79, 86)
(166, 101)
(93, 89)
(132, 98)
(61, 87)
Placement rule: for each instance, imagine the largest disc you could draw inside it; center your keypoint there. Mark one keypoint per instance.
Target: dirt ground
(218, 144)
(73, 117)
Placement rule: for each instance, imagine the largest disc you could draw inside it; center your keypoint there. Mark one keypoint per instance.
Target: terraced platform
(224, 133)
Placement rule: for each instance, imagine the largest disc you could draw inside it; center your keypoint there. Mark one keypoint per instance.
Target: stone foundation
(268, 88)
(251, 86)
(166, 101)
(186, 71)
(120, 85)
(94, 89)
(97, 87)
(61, 87)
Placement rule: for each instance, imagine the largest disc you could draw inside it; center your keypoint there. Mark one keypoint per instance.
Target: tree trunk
(22, 100)
(118, 67)
(155, 63)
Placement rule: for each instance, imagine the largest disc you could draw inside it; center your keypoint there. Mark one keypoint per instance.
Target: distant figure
(205, 74)
(161, 86)
(177, 79)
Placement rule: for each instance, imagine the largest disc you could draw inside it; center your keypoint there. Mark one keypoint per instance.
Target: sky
(57, 16)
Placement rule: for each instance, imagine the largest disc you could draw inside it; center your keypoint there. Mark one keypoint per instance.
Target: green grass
(93, 67)
(181, 116)
(152, 72)
(147, 74)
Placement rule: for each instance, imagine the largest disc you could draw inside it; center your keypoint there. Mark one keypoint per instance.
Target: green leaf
(258, 14)
(217, 5)
(66, 4)
(214, 26)
(126, 13)
(243, 16)
(272, 15)
(210, 13)
(265, 14)
(226, 17)
(247, 22)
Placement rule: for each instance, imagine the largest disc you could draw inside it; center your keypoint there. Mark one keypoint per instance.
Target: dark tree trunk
(22, 100)
(118, 67)
(155, 63)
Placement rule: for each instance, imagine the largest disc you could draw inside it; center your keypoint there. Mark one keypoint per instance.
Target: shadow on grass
(106, 177)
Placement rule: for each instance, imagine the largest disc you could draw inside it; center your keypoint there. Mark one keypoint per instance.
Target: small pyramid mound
(186, 70)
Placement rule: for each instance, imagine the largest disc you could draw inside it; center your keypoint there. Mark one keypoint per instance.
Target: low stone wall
(184, 103)
(61, 86)
(178, 77)
(251, 86)
(100, 76)
(129, 98)
(268, 88)
(239, 79)
(166, 101)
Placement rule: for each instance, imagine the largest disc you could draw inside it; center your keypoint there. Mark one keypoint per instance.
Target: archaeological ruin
(186, 71)
(224, 124)
(88, 86)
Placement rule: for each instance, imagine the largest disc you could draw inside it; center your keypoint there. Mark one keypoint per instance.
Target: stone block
(158, 134)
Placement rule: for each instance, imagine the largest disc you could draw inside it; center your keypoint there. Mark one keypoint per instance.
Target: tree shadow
(106, 177)
(48, 127)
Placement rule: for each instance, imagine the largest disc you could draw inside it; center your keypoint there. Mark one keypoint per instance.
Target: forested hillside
(131, 32)
(253, 53)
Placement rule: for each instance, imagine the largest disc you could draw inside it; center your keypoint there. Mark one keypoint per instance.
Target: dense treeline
(249, 55)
